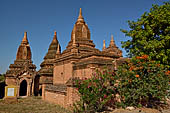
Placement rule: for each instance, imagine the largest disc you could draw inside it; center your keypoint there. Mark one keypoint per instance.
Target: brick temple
(22, 72)
(54, 81)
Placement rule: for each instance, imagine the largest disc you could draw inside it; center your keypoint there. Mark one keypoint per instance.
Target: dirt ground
(37, 105)
(144, 110)
(30, 105)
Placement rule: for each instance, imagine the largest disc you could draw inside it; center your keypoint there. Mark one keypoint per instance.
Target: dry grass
(37, 105)
(31, 105)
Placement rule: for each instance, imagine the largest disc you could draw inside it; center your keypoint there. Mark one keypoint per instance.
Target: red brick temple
(80, 60)
(55, 78)
(22, 73)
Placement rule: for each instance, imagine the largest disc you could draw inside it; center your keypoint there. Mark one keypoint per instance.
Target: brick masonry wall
(83, 73)
(62, 73)
(55, 98)
(10, 81)
(65, 100)
(72, 97)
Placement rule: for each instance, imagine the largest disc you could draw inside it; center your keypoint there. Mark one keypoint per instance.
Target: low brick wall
(55, 98)
(60, 94)
(54, 94)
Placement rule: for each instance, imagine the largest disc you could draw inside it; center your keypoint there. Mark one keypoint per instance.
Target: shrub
(140, 82)
(96, 92)
(143, 82)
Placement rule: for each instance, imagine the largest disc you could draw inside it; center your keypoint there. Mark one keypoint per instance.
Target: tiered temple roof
(81, 46)
(81, 37)
(23, 60)
(47, 64)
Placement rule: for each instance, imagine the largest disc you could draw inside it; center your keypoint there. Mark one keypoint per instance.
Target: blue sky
(40, 18)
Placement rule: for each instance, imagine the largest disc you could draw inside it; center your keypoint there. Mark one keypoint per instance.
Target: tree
(143, 82)
(150, 34)
(2, 77)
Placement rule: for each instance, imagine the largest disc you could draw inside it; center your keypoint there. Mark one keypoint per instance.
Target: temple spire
(55, 33)
(80, 17)
(112, 42)
(25, 40)
(24, 51)
(104, 45)
(58, 50)
(80, 14)
(55, 37)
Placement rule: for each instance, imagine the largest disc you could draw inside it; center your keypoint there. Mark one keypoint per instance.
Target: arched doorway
(2, 89)
(23, 88)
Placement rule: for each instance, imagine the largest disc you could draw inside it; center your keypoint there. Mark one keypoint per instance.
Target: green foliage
(2, 77)
(150, 34)
(143, 82)
(140, 82)
(96, 92)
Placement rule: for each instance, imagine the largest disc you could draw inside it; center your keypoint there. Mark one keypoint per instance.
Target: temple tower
(23, 71)
(79, 60)
(80, 37)
(46, 71)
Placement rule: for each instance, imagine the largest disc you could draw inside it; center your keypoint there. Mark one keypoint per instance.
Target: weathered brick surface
(62, 73)
(64, 96)
(54, 97)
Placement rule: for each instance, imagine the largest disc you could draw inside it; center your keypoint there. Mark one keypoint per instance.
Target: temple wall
(72, 97)
(54, 97)
(83, 73)
(62, 73)
(65, 100)
(46, 79)
(10, 81)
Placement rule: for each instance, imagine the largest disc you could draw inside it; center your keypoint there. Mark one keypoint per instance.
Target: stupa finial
(55, 37)
(55, 33)
(104, 45)
(112, 37)
(112, 43)
(25, 40)
(80, 17)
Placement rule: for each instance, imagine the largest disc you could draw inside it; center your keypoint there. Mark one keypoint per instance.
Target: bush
(139, 82)
(143, 82)
(96, 92)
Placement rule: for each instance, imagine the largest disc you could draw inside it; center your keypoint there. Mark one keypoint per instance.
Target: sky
(40, 18)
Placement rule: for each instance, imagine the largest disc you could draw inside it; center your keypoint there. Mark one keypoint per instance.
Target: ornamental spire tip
(80, 17)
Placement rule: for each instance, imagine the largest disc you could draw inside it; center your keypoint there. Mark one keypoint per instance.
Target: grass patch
(31, 105)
